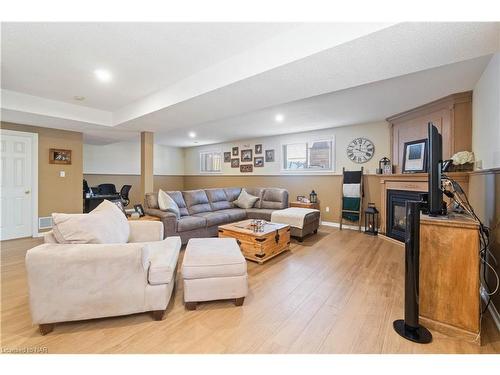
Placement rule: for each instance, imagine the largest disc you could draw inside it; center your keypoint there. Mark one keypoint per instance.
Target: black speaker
(409, 327)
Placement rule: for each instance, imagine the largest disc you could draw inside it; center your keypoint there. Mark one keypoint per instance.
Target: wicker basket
(467, 167)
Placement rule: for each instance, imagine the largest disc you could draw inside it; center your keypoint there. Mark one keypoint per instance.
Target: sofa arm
(145, 231)
(162, 257)
(168, 219)
(84, 281)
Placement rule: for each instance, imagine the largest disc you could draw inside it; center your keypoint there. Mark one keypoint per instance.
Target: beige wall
(486, 116)
(484, 196)
(160, 182)
(378, 133)
(328, 188)
(56, 194)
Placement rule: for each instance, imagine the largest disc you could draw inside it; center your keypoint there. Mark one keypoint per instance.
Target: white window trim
(211, 151)
(309, 171)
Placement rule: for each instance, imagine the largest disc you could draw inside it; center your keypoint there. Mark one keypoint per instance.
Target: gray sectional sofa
(202, 211)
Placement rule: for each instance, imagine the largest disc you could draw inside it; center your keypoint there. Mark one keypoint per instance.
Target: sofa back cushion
(232, 194)
(256, 191)
(274, 198)
(179, 200)
(196, 201)
(166, 203)
(104, 225)
(218, 199)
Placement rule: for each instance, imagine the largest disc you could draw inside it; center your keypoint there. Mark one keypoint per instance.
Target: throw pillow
(166, 203)
(245, 200)
(105, 224)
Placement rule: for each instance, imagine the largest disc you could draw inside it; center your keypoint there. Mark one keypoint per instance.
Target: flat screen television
(435, 161)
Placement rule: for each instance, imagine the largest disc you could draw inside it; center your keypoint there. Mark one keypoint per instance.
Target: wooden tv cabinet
(449, 275)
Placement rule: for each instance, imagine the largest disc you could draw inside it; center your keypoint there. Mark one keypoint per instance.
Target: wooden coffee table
(258, 246)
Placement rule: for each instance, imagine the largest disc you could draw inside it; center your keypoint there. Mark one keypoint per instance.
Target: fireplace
(396, 212)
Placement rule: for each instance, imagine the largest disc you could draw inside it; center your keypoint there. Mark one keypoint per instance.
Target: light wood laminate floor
(337, 292)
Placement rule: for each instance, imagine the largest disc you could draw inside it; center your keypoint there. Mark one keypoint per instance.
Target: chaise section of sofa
(203, 210)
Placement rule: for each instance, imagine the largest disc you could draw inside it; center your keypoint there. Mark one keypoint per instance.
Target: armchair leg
(190, 306)
(239, 301)
(158, 314)
(45, 328)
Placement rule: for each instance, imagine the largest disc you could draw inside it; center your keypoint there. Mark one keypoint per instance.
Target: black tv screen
(435, 160)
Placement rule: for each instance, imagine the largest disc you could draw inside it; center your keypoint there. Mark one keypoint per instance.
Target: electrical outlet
(327, 209)
(62, 174)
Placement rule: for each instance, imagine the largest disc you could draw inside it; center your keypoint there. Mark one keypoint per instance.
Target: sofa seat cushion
(162, 257)
(214, 218)
(196, 201)
(274, 198)
(187, 223)
(213, 257)
(235, 214)
(218, 199)
(106, 224)
(259, 213)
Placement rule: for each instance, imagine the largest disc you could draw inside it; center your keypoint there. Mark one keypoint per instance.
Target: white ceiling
(226, 81)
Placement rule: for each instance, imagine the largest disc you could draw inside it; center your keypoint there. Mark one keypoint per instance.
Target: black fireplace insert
(396, 212)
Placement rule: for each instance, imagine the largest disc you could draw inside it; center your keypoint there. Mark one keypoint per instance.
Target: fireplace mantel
(410, 182)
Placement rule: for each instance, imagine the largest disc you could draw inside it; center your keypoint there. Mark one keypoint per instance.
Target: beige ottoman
(214, 269)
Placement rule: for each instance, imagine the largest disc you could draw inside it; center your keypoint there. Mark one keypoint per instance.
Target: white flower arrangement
(463, 157)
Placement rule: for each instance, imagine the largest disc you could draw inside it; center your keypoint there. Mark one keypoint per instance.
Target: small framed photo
(235, 163)
(227, 157)
(58, 156)
(139, 209)
(269, 156)
(258, 162)
(246, 155)
(258, 149)
(300, 198)
(235, 151)
(415, 156)
(246, 168)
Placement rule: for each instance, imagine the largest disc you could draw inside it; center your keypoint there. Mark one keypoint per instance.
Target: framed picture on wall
(258, 162)
(59, 156)
(246, 168)
(246, 155)
(227, 157)
(258, 149)
(415, 156)
(235, 151)
(269, 156)
(235, 163)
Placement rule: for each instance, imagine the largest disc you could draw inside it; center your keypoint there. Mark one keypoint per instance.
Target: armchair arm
(145, 231)
(84, 281)
(168, 219)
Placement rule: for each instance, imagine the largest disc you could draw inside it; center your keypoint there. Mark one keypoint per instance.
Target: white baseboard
(337, 225)
(491, 308)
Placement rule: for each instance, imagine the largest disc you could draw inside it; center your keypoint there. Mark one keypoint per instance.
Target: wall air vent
(45, 222)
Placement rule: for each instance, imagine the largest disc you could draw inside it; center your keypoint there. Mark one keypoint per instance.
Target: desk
(95, 200)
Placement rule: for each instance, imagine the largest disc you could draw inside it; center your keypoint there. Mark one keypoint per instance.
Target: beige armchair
(69, 282)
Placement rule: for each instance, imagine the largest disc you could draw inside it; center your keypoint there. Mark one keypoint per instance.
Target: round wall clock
(360, 150)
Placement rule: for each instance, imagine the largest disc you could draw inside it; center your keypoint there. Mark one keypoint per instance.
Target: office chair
(107, 189)
(124, 194)
(86, 188)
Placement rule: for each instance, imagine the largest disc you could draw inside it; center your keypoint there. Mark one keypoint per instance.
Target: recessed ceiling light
(103, 75)
(79, 98)
(279, 117)
(192, 134)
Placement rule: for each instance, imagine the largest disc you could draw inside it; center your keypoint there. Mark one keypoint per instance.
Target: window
(308, 156)
(210, 161)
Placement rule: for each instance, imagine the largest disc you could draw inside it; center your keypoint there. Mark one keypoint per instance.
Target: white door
(15, 186)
